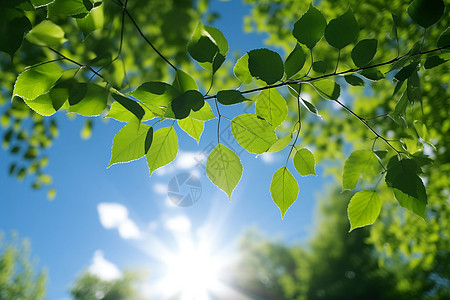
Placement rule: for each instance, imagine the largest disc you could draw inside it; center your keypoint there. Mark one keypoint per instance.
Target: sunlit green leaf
(363, 209)
(129, 143)
(224, 169)
(184, 82)
(204, 114)
(230, 97)
(46, 33)
(405, 72)
(92, 21)
(66, 8)
(421, 129)
(354, 80)
(426, 12)
(265, 65)
(120, 113)
(130, 105)
(182, 105)
(342, 31)
(372, 74)
(327, 88)
(281, 143)
(164, 148)
(36, 81)
(43, 105)
(304, 162)
(408, 188)
(192, 127)
(359, 163)
(92, 102)
(39, 3)
(413, 90)
(295, 61)
(309, 29)
(155, 93)
(284, 189)
(271, 106)
(364, 51)
(254, 134)
(241, 70)
(86, 131)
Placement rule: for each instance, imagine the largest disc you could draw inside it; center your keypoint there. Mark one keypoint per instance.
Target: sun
(193, 273)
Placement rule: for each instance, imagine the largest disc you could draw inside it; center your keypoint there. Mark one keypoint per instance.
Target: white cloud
(184, 161)
(160, 188)
(103, 268)
(178, 224)
(115, 215)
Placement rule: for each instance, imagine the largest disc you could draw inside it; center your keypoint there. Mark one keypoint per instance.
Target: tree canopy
(358, 87)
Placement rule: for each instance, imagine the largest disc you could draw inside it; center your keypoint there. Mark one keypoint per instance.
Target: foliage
(18, 276)
(330, 265)
(90, 287)
(63, 79)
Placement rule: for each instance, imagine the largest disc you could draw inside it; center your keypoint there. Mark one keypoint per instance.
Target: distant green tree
(91, 287)
(331, 265)
(18, 276)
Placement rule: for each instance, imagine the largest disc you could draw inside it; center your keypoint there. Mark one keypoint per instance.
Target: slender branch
(337, 63)
(147, 40)
(288, 82)
(218, 121)
(299, 125)
(367, 125)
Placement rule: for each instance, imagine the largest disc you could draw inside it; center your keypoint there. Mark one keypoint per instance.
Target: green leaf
(360, 162)
(304, 162)
(413, 90)
(342, 31)
(444, 40)
(36, 81)
(13, 27)
(284, 189)
(265, 65)
(400, 110)
(309, 106)
(320, 66)
(130, 105)
(92, 21)
(363, 209)
(184, 82)
(182, 105)
(372, 74)
(155, 93)
(254, 134)
(271, 106)
(309, 29)
(204, 114)
(241, 70)
(408, 188)
(426, 12)
(421, 129)
(46, 33)
(393, 34)
(39, 3)
(192, 127)
(230, 97)
(295, 61)
(433, 61)
(88, 99)
(327, 88)
(66, 8)
(354, 80)
(208, 46)
(131, 143)
(364, 51)
(43, 105)
(406, 72)
(281, 143)
(164, 148)
(120, 113)
(224, 169)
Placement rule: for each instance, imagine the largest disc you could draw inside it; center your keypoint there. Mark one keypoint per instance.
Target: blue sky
(111, 219)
